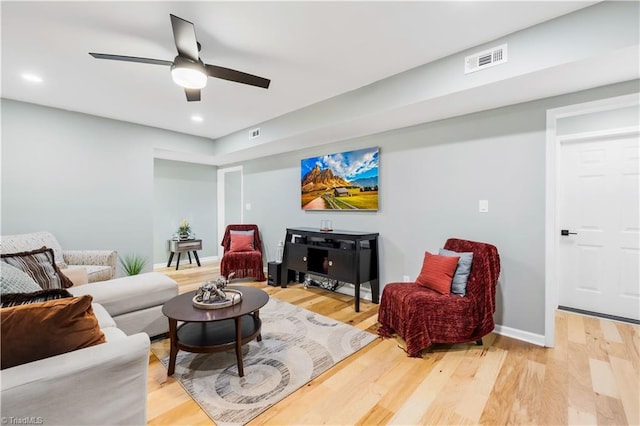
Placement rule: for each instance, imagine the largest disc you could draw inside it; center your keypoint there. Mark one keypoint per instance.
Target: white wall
(87, 179)
(184, 191)
(431, 178)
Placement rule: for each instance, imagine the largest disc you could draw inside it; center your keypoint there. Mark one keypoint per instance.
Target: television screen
(343, 181)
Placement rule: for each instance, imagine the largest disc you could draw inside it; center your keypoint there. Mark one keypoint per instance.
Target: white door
(599, 264)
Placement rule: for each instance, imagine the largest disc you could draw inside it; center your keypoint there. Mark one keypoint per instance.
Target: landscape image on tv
(343, 181)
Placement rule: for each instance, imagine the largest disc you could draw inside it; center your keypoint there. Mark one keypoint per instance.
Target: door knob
(565, 232)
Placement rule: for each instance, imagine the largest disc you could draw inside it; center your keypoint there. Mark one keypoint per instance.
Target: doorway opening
(570, 116)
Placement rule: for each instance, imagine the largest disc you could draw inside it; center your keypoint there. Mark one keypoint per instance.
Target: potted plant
(133, 264)
(184, 230)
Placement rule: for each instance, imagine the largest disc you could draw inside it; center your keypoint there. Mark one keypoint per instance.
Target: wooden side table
(182, 246)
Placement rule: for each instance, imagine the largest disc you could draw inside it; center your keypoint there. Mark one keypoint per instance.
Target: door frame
(552, 180)
(221, 197)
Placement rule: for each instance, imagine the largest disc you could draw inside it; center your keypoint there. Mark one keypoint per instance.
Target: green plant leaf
(133, 264)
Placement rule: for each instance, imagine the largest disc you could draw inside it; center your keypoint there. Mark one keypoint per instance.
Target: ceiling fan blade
(131, 59)
(237, 76)
(184, 35)
(192, 94)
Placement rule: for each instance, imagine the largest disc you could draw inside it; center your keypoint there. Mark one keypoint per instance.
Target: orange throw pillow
(41, 330)
(437, 272)
(241, 242)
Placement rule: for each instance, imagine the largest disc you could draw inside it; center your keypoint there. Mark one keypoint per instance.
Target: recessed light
(196, 118)
(32, 78)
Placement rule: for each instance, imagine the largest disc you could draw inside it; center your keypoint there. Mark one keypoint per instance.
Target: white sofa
(100, 265)
(134, 302)
(102, 384)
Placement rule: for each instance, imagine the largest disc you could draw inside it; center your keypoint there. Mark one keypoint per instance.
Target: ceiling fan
(187, 69)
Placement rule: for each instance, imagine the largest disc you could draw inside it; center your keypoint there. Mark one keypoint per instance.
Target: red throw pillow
(437, 272)
(241, 242)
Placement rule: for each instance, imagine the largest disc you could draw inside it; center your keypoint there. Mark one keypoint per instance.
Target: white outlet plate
(483, 206)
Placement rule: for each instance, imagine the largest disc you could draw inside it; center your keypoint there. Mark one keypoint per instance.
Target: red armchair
(243, 263)
(422, 316)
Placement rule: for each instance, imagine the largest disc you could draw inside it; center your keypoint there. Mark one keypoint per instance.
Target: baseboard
(525, 336)
(350, 290)
(202, 259)
(208, 258)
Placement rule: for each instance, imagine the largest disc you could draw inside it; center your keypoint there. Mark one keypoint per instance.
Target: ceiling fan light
(189, 78)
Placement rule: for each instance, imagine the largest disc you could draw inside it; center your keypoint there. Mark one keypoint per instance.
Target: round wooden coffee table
(214, 330)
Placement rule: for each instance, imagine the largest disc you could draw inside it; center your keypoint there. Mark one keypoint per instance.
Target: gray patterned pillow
(13, 280)
(39, 265)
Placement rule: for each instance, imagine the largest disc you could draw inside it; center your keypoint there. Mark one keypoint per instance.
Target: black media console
(339, 255)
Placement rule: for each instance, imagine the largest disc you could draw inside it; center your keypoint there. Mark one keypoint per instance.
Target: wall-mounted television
(343, 181)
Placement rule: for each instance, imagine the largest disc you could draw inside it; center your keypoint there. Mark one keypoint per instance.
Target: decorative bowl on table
(213, 295)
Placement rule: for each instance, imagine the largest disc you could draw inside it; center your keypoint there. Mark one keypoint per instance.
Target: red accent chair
(243, 263)
(422, 316)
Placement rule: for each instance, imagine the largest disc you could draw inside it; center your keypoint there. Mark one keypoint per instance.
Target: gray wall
(232, 197)
(431, 178)
(559, 56)
(597, 121)
(184, 191)
(88, 180)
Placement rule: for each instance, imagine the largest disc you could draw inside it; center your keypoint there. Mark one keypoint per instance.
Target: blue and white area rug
(297, 346)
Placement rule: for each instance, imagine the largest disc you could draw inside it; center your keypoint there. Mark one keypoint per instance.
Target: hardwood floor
(592, 376)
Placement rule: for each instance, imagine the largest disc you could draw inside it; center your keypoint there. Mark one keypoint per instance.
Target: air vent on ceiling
(254, 133)
(485, 59)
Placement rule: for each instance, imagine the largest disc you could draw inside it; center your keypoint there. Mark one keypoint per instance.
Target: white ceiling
(311, 51)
